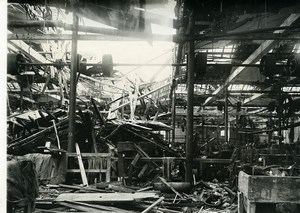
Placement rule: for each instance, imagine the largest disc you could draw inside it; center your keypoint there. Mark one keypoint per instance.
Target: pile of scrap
(161, 196)
(202, 197)
(45, 132)
(32, 129)
(58, 198)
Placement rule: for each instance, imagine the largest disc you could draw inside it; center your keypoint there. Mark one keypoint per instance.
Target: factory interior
(161, 106)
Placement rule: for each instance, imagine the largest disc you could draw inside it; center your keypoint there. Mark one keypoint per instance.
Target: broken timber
(81, 166)
(106, 197)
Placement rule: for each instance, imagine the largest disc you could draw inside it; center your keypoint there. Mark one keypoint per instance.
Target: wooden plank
(14, 145)
(55, 210)
(78, 188)
(81, 167)
(141, 151)
(144, 189)
(169, 186)
(243, 183)
(80, 207)
(85, 155)
(143, 170)
(56, 134)
(106, 197)
(207, 160)
(87, 170)
(153, 205)
(101, 207)
(108, 169)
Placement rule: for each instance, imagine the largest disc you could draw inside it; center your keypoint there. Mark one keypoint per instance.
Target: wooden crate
(267, 189)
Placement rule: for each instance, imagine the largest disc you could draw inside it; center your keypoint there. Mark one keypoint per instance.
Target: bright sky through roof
(133, 52)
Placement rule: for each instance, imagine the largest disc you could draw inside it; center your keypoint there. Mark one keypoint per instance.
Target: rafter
(265, 47)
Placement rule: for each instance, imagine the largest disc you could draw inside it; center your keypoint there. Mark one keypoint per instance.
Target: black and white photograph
(150, 106)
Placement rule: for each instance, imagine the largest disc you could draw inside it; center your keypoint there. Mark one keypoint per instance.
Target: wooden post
(74, 68)
(190, 104)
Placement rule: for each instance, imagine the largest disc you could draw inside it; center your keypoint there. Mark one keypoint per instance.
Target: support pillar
(226, 115)
(173, 116)
(74, 68)
(190, 104)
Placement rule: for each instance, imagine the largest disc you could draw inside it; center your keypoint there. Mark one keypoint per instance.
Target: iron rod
(160, 64)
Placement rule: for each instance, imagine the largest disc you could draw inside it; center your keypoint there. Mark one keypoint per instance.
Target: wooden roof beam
(264, 48)
(29, 51)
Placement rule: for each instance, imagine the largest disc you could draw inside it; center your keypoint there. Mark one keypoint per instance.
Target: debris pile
(174, 197)
(142, 172)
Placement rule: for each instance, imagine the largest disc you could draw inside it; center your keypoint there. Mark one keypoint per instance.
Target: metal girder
(21, 45)
(264, 48)
(89, 29)
(88, 37)
(93, 37)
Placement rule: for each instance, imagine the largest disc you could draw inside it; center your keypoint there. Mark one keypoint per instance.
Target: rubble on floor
(150, 172)
(203, 197)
